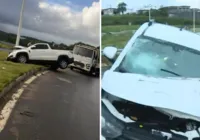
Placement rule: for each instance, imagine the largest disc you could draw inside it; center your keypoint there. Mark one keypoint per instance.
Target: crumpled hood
(20, 47)
(16, 51)
(178, 94)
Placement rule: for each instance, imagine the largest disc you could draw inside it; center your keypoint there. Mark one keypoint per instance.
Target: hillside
(11, 38)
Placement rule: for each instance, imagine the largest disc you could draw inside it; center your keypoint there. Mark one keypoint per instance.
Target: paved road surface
(62, 106)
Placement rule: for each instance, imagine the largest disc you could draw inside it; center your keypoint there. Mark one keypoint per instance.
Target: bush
(137, 20)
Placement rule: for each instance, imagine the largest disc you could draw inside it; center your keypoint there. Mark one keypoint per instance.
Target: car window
(76, 50)
(84, 52)
(40, 46)
(161, 59)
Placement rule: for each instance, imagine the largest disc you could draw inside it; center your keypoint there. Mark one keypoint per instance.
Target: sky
(135, 4)
(59, 21)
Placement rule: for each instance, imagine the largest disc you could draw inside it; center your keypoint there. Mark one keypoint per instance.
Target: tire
(63, 63)
(97, 73)
(22, 58)
(91, 71)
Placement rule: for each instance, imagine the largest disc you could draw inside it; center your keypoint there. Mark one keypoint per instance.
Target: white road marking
(30, 80)
(64, 80)
(45, 72)
(5, 113)
(7, 110)
(39, 74)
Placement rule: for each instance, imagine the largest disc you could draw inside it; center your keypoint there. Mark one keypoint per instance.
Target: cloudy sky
(135, 4)
(54, 20)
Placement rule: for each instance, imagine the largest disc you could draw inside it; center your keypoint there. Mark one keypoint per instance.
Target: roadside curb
(19, 80)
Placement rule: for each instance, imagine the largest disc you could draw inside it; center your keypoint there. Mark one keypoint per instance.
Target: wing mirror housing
(110, 53)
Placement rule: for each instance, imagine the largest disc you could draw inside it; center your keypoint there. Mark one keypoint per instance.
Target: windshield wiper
(170, 72)
(122, 70)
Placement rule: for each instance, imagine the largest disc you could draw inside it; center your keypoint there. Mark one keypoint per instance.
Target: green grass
(5, 46)
(10, 71)
(118, 40)
(118, 28)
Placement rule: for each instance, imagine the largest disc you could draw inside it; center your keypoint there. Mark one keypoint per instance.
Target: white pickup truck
(42, 53)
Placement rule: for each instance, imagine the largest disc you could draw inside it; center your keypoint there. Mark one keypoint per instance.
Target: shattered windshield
(162, 59)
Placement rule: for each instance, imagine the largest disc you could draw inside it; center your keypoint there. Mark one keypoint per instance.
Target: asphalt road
(62, 106)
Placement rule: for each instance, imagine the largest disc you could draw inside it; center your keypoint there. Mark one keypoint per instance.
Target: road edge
(19, 80)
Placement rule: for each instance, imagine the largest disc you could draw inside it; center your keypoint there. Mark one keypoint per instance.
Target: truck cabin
(86, 51)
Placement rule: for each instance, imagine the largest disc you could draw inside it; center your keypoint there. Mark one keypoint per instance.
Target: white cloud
(64, 22)
(52, 21)
(192, 3)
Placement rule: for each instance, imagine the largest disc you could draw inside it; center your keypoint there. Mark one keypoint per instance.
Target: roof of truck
(86, 46)
(174, 35)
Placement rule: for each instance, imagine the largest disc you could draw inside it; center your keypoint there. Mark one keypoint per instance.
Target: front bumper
(71, 60)
(116, 127)
(81, 66)
(11, 58)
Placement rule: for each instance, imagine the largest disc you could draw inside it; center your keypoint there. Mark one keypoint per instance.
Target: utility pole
(149, 13)
(149, 7)
(194, 17)
(20, 23)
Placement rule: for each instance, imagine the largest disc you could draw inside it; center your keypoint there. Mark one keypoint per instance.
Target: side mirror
(33, 47)
(110, 53)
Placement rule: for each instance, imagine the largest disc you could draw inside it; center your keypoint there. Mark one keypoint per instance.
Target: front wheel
(21, 58)
(97, 73)
(92, 71)
(63, 63)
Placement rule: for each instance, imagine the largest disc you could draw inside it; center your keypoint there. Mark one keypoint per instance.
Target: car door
(39, 52)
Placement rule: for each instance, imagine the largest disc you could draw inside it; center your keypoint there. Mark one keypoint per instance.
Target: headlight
(111, 126)
(87, 66)
(10, 54)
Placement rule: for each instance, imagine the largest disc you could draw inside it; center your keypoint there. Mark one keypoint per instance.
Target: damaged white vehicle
(152, 90)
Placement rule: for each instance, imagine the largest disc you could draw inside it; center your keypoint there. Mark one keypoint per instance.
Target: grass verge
(10, 71)
(117, 40)
(5, 46)
(118, 28)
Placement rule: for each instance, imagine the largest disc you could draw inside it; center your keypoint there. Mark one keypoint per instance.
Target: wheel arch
(24, 53)
(63, 57)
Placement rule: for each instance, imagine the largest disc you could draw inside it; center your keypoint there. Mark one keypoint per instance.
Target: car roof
(174, 35)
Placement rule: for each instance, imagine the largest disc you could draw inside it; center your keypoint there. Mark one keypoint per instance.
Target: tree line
(24, 41)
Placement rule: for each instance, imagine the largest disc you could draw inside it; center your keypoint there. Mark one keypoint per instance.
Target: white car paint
(19, 47)
(41, 54)
(155, 92)
(83, 59)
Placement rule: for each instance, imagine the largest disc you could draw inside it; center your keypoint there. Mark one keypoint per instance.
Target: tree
(116, 11)
(122, 7)
(163, 12)
(102, 12)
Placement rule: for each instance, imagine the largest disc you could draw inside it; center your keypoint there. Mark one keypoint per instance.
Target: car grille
(79, 64)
